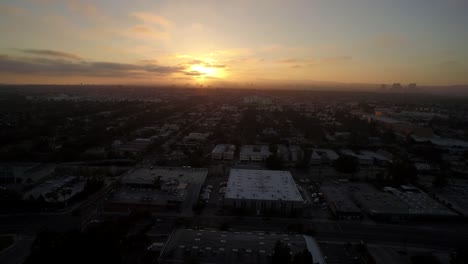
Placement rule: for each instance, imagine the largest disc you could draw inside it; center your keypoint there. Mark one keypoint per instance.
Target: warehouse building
(224, 247)
(323, 156)
(262, 191)
(339, 201)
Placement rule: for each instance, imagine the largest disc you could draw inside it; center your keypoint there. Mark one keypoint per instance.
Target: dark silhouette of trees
(281, 253)
(347, 164)
(402, 172)
(273, 162)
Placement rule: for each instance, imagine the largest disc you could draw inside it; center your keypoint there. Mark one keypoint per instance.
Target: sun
(204, 71)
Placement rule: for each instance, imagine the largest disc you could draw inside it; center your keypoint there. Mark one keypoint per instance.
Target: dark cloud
(215, 66)
(194, 73)
(204, 64)
(58, 67)
(336, 59)
(51, 53)
(291, 60)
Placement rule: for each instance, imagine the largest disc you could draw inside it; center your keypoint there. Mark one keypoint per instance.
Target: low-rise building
(254, 153)
(135, 147)
(363, 159)
(323, 156)
(339, 202)
(219, 247)
(157, 189)
(420, 204)
(262, 191)
(378, 204)
(378, 158)
(223, 152)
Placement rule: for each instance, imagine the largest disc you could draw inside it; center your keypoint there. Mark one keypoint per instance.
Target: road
(439, 237)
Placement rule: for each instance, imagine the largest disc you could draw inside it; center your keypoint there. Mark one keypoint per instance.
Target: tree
(440, 181)
(157, 182)
(402, 172)
(274, 162)
(281, 253)
(347, 164)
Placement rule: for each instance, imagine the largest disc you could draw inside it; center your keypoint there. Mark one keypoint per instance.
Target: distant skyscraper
(411, 86)
(396, 87)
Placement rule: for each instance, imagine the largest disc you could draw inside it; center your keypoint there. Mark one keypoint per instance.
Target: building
(196, 137)
(158, 189)
(379, 159)
(224, 247)
(262, 191)
(223, 152)
(420, 204)
(135, 147)
(400, 127)
(323, 156)
(57, 189)
(378, 204)
(363, 159)
(254, 153)
(455, 196)
(339, 202)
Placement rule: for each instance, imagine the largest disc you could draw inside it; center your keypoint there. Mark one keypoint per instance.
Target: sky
(217, 42)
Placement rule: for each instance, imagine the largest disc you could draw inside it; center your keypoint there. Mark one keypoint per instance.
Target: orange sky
(214, 42)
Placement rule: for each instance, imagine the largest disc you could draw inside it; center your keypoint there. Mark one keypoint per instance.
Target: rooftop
(262, 185)
(146, 176)
(214, 246)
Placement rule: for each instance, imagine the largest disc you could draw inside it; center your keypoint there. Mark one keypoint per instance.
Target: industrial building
(254, 153)
(378, 204)
(339, 201)
(455, 196)
(135, 147)
(363, 159)
(420, 205)
(223, 247)
(262, 191)
(223, 152)
(323, 156)
(158, 189)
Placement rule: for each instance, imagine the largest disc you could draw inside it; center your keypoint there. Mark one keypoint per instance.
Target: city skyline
(221, 42)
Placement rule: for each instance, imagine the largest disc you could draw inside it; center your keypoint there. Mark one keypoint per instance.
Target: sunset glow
(152, 42)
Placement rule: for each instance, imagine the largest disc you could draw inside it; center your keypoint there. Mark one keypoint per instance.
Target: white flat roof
(262, 185)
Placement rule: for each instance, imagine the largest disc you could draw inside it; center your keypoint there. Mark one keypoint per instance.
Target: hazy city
(212, 132)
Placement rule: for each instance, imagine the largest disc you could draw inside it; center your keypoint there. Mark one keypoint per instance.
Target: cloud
(143, 31)
(194, 73)
(86, 9)
(51, 53)
(204, 64)
(58, 67)
(291, 60)
(153, 19)
(449, 63)
(336, 59)
(312, 62)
